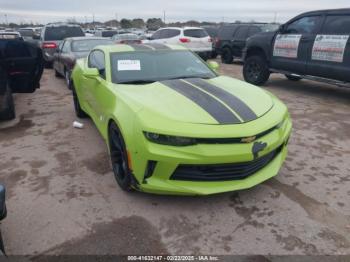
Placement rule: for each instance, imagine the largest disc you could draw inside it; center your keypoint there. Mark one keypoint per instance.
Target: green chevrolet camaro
(174, 126)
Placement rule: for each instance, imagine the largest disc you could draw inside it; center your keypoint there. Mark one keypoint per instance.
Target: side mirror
(281, 28)
(91, 72)
(213, 65)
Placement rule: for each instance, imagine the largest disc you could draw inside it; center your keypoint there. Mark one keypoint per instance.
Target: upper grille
(235, 140)
(223, 172)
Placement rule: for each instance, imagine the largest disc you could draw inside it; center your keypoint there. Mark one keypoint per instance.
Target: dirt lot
(62, 197)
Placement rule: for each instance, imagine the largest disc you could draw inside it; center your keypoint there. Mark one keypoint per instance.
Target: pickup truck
(21, 67)
(314, 45)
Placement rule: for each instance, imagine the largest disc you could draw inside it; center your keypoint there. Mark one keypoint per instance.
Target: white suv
(194, 38)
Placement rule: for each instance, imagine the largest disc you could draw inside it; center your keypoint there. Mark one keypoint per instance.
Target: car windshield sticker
(129, 65)
(286, 46)
(329, 48)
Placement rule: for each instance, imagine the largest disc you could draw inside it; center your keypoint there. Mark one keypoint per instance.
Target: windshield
(88, 44)
(62, 32)
(26, 32)
(149, 66)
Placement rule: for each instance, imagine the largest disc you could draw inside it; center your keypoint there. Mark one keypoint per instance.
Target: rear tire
(256, 70)
(293, 78)
(78, 111)
(119, 158)
(226, 56)
(9, 112)
(57, 74)
(67, 78)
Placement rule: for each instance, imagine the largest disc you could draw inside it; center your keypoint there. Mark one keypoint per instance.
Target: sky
(43, 11)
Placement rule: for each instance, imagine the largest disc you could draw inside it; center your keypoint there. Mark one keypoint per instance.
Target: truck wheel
(9, 112)
(78, 111)
(256, 70)
(226, 56)
(293, 78)
(213, 55)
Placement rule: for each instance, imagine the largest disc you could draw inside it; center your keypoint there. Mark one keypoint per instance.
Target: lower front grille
(223, 172)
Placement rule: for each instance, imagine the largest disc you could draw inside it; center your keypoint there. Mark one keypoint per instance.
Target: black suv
(313, 45)
(232, 38)
(21, 67)
(53, 34)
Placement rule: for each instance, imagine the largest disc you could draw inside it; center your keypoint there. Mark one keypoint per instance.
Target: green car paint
(220, 108)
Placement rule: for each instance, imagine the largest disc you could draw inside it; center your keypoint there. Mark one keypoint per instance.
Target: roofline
(323, 11)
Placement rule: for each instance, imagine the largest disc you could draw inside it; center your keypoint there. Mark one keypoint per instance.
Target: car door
(239, 40)
(293, 42)
(56, 58)
(94, 86)
(330, 55)
(64, 56)
(24, 65)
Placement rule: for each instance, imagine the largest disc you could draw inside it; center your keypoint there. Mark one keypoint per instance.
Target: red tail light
(138, 42)
(49, 45)
(122, 42)
(210, 40)
(185, 40)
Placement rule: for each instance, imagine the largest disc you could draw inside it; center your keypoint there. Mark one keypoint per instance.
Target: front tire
(226, 56)
(9, 112)
(67, 75)
(256, 70)
(78, 111)
(119, 158)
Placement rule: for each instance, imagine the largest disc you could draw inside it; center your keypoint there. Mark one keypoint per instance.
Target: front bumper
(168, 158)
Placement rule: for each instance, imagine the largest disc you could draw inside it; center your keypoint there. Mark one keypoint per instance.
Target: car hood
(221, 100)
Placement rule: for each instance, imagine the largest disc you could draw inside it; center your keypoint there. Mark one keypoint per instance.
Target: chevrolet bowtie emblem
(248, 139)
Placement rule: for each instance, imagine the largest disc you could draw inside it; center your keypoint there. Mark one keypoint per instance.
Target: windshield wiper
(187, 77)
(135, 82)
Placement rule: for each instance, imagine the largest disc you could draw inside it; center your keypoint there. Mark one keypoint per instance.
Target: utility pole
(275, 18)
(6, 21)
(164, 17)
(93, 21)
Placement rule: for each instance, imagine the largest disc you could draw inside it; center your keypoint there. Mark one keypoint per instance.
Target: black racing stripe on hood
(229, 99)
(158, 46)
(139, 47)
(212, 106)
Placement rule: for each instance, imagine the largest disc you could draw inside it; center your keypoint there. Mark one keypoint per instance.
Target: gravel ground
(62, 197)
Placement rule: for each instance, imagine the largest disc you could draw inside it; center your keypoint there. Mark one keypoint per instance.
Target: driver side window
(65, 47)
(305, 25)
(97, 60)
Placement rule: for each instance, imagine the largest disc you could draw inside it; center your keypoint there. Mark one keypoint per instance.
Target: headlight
(170, 140)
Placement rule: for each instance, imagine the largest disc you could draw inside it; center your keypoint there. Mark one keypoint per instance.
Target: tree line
(151, 23)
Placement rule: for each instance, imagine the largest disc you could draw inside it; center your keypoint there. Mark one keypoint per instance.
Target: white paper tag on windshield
(129, 65)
